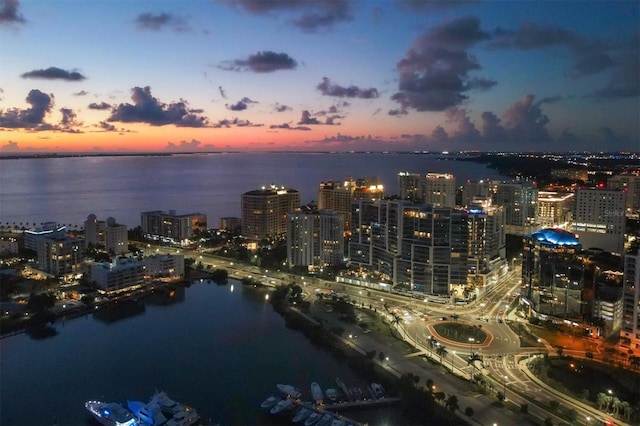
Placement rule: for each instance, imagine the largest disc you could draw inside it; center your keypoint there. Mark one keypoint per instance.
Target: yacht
(289, 390)
(316, 393)
(326, 420)
(302, 414)
(344, 388)
(270, 402)
(378, 390)
(147, 414)
(281, 406)
(177, 413)
(332, 395)
(337, 422)
(313, 419)
(110, 413)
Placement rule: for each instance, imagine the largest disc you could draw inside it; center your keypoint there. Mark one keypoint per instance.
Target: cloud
(194, 145)
(54, 73)
(328, 88)
(241, 105)
(9, 13)
(99, 106)
(10, 146)
(281, 108)
(308, 15)
(31, 118)
(234, 122)
(151, 22)
(222, 92)
(433, 5)
(81, 93)
(624, 81)
(261, 62)
(147, 109)
(69, 119)
(307, 119)
(525, 122)
(434, 74)
(107, 127)
(287, 126)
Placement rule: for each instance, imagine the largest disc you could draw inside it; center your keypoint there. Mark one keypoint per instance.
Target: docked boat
(378, 390)
(289, 391)
(316, 393)
(313, 419)
(147, 414)
(302, 414)
(326, 420)
(270, 402)
(344, 388)
(281, 406)
(177, 413)
(337, 422)
(332, 395)
(111, 413)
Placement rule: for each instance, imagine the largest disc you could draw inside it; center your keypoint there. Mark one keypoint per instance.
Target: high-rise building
(59, 254)
(315, 239)
(47, 229)
(337, 196)
(487, 246)
(554, 209)
(439, 189)
(474, 190)
(630, 184)
(630, 331)
(519, 200)
(109, 234)
(94, 231)
(599, 220)
(419, 246)
(410, 187)
(230, 223)
(264, 211)
(160, 225)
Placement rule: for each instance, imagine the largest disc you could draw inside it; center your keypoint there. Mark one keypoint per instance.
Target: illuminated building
(113, 236)
(599, 218)
(59, 254)
(439, 189)
(630, 184)
(8, 245)
(170, 227)
(337, 196)
(315, 239)
(264, 211)
(519, 200)
(230, 223)
(473, 190)
(410, 187)
(120, 275)
(487, 248)
(554, 209)
(32, 236)
(570, 174)
(415, 245)
(630, 331)
(551, 264)
(167, 266)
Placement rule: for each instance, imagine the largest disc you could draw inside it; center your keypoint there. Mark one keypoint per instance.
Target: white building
(410, 187)
(112, 236)
(160, 225)
(59, 254)
(631, 300)
(630, 184)
(32, 236)
(264, 211)
(169, 266)
(599, 219)
(439, 190)
(121, 275)
(315, 240)
(554, 209)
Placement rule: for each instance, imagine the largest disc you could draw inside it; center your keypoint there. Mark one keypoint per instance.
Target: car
(366, 331)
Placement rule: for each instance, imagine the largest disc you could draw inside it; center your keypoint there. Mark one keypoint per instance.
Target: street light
(452, 354)
(504, 388)
(471, 341)
(587, 422)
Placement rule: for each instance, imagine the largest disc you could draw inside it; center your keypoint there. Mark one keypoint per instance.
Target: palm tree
(602, 400)
(442, 352)
(627, 410)
(472, 361)
(452, 403)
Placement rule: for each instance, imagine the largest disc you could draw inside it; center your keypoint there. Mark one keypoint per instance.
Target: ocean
(66, 190)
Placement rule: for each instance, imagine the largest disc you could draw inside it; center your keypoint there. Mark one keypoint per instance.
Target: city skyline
(319, 75)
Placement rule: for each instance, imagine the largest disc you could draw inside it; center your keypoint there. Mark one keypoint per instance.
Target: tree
(442, 352)
(602, 400)
(452, 403)
(468, 412)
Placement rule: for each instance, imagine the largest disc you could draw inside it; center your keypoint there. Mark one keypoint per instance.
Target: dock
(361, 404)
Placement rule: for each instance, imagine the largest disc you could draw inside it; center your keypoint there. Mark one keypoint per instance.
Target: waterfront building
(519, 200)
(487, 244)
(94, 231)
(630, 184)
(551, 263)
(554, 209)
(337, 196)
(417, 246)
(599, 219)
(630, 330)
(410, 187)
(170, 227)
(474, 190)
(315, 239)
(109, 234)
(264, 211)
(439, 189)
(58, 254)
(167, 266)
(34, 235)
(8, 245)
(230, 223)
(122, 274)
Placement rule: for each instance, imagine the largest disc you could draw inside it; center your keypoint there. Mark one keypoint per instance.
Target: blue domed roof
(556, 236)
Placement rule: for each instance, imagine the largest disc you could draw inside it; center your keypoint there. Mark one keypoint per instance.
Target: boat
(177, 413)
(147, 414)
(316, 393)
(301, 414)
(289, 390)
(337, 422)
(332, 395)
(344, 388)
(281, 406)
(110, 413)
(378, 390)
(270, 402)
(313, 419)
(326, 420)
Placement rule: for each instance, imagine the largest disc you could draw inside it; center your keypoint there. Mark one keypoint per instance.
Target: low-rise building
(168, 266)
(121, 275)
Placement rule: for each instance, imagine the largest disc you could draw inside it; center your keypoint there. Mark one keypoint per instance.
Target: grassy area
(460, 332)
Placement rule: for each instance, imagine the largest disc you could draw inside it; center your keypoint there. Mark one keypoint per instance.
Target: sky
(319, 75)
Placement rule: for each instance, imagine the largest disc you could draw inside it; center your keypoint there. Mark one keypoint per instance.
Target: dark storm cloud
(99, 106)
(9, 13)
(261, 62)
(31, 118)
(241, 105)
(329, 88)
(434, 74)
(151, 22)
(309, 15)
(54, 73)
(147, 109)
